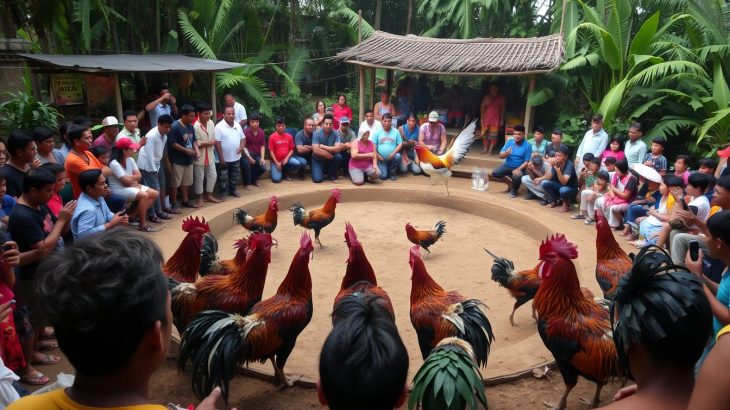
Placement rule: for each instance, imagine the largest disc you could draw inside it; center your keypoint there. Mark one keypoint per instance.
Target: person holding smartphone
(92, 214)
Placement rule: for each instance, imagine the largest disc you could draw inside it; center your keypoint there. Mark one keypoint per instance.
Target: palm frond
(654, 72)
(195, 39)
(673, 125)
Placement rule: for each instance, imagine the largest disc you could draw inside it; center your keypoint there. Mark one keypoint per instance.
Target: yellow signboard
(67, 89)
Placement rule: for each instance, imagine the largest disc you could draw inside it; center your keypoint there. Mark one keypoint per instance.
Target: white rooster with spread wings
(438, 167)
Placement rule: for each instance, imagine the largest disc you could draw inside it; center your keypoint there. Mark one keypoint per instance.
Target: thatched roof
(479, 56)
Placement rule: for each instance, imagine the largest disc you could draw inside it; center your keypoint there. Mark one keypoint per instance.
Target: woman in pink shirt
(363, 161)
(614, 149)
(492, 116)
(341, 109)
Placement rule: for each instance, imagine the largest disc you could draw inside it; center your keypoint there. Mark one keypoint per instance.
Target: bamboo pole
(528, 108)
(118, 97)
(361, 70)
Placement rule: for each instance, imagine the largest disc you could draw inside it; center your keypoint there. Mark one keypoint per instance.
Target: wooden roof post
(213, 98)
(361, 71)
(529, 114)
(118, 97)
(372, 86)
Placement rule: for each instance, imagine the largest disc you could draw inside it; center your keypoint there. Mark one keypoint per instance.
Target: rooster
(521, 285)
(425, 238)
(218, 342)
(359, 276)
(261, 223)
(439, 167)
(184, 264)
(211, 265)
(318, 218)
(612, 262)
(575, 328)
(235, 293)
(437, 314)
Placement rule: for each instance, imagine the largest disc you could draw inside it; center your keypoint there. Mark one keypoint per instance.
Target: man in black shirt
(22, 150)
(37, 233)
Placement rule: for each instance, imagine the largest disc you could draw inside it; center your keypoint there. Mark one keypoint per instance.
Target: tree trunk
(378, 13)
(410, 17)
(158, 29)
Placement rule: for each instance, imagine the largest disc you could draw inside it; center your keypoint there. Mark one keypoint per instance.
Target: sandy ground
(511, 228)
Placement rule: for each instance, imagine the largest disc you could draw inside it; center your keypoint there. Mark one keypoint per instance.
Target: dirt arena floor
(512, 228)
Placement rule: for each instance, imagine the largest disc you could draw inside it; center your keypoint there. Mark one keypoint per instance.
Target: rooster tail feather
(439, 228)
(502, 269)
(239, 216)
(214, 344)
(299, 213)
(208, 254)
(477, 330)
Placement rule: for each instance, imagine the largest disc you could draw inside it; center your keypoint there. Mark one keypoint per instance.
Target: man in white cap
(108, 137)
(433, 134)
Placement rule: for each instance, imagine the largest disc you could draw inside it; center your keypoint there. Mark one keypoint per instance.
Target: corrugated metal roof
(479, 56)
(121, 63)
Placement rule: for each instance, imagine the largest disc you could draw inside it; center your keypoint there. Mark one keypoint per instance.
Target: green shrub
(23, 112)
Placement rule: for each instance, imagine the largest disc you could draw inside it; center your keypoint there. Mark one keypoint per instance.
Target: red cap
(725, 153)
(125, 142)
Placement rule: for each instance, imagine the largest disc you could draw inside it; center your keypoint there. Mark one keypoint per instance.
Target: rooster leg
(563, 400)
(280, 376)
(596, 397)
(275, 242)
(534, 315)
(447, 188)
(512, 316)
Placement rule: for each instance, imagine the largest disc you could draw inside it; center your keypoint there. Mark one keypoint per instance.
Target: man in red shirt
(281, 147)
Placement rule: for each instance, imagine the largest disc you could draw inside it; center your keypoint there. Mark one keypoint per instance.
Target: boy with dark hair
(538, 141)
(253, 159)
(128, 315)
(681, 167)
(556, 141)
(660, 320)
(364, 363)
(281, 149)
(655, 158)
(37, 232)
(22, 151)
(7, 202)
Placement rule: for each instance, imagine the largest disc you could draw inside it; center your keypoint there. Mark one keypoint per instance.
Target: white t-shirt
(118, 171)
(230, 138)
(240, 112)
(703, 206)
(151, 153)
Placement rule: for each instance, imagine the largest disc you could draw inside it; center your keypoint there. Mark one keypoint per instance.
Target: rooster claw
(290, 381)
(590, 403)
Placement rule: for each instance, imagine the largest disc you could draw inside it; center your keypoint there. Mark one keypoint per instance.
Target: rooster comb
(191, 223)
(558, 244)
(258, 239)
(305, 242)
(350, 235)
(241, 243)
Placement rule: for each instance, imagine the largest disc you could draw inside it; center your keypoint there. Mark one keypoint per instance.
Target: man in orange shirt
(80, 159)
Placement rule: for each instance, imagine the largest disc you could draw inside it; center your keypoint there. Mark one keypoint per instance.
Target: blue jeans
(251, 172)
(321, 165)
(152, 180)
(293, 165)
(504, 171)
(556, 190)
(635, 211)
(304, 160)
(389, 168)
(115, 202)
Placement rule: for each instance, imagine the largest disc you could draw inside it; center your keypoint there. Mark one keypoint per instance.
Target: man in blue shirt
(563, 183)
(92, 214)
(388, 142)
(326, 147)
(516, 154)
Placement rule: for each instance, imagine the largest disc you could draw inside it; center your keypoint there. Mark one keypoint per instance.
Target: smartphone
(694, 250)
(123, 212)
(7, 248)
(684, 204)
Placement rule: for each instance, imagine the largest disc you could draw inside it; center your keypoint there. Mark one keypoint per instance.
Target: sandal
(163, 215)
(47, 360)
(47, 346)
(34, 378)
(146, 228)
(190, 204)
(289, 178)
(577, 216)
(154, 219)
(174, 210)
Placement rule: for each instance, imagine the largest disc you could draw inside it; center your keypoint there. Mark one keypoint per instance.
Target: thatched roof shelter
(472, 57)
(477, 57)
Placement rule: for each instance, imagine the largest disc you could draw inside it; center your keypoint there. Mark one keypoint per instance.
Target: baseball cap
(344, 120)
(110, 121)
(125, 142)
(724, 153)
(433, 116)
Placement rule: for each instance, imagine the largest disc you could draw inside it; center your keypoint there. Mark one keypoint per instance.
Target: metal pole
(118, 96)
